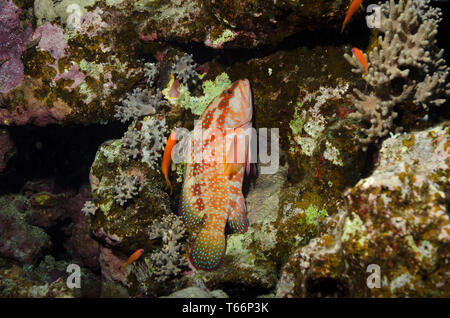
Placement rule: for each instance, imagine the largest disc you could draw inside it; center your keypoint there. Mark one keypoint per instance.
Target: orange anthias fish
(351, 10)
(131, 259)
(362, 59)
(167, 158)
(212, 189)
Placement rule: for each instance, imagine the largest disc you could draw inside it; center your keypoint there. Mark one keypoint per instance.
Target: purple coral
(51, 40)
(12, 42)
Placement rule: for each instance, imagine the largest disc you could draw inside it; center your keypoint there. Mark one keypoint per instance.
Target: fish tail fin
(237, 219)
(209, 249)
(209, 246)
(123, 267)
(168, 184)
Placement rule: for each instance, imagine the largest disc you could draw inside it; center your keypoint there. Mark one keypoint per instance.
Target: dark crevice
(62, 153)
(358, 36)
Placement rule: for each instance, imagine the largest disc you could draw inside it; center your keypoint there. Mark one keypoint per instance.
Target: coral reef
(89, 208)
(14, 284)
(405, 66)
(395, 220)
(168, 261)
(20, 241)
(131, 143)
(126, 187)
(12, 43)
(151, 73)
(140, 102)
(154, 138)
(184, 69)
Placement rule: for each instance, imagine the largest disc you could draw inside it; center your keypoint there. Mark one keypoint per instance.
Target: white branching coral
(151, 73)
(140, 102)
(131, 143)
(168, 261)
(405, 66)
(89, 208)
(126, 187)
(184, 68)
(153, 140)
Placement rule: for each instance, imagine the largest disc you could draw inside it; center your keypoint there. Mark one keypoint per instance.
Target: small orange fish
(131, 259)
(351, 10)
(362, 59)
(167, 158)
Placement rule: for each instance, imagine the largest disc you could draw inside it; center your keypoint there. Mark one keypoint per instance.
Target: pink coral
(51, 40)
(12, 42)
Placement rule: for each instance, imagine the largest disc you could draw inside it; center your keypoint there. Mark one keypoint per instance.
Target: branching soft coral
(406, 55)
(126, 187)
(168, 261)
(153, 140)
(139, 103)
(184, 69)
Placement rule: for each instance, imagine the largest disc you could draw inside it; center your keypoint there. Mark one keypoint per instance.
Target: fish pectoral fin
(230, 169)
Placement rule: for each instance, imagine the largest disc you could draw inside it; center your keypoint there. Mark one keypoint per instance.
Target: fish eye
(229, 92)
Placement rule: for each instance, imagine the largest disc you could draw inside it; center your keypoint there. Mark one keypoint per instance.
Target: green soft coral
(211, 89)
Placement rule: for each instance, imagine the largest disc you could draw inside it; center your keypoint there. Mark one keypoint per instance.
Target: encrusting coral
(406, 57)
(126, 187)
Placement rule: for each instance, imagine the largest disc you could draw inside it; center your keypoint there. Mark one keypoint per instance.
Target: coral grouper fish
(212, 188)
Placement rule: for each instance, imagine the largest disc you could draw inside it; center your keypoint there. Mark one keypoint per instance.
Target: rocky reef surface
(358, 205)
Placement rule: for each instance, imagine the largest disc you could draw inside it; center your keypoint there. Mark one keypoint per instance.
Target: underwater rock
(21, 241)
(197, 292)
(81, 246)
(48, 207)
(7, 148)
(125, 227)
(234, 24)
(393, 238)
(69, 72)
(49, 270)
(15, 284)
(12, 42)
